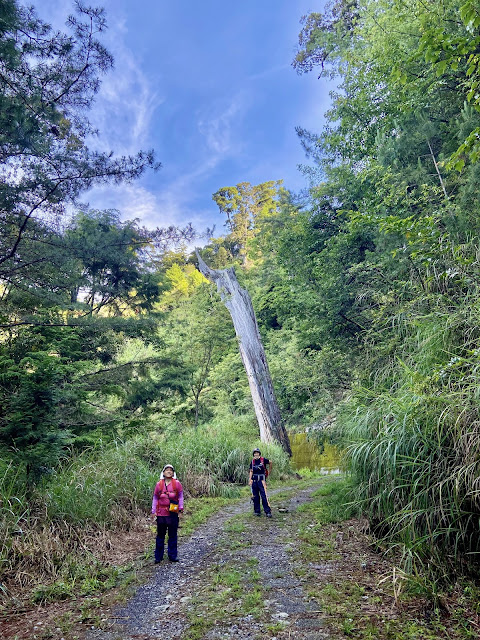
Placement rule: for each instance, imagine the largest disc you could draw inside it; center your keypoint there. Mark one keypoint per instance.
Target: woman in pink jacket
(167, 505)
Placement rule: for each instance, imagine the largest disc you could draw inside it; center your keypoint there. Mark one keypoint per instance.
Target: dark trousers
(258, 491)
(165, 523)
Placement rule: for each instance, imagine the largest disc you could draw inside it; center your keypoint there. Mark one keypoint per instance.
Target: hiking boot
(257, 513)
(269, 515)
(174, 560)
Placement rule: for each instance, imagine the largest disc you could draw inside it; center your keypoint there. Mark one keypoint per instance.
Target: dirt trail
(235, 580)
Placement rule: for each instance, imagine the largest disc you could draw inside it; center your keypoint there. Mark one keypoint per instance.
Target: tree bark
(239, 304)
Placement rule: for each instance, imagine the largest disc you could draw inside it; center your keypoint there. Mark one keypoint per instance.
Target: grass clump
(361, 593)
(334, 501)
(413, 439)
(234, 591)
(198, 512)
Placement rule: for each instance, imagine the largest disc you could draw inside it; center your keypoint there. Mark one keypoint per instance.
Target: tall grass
(103, 486)
(209, 460)
(413, 433)
(108, 487)
(106, 484)
(13, 507)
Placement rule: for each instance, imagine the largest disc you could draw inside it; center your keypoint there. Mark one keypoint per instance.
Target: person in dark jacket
(257, 481)
(167, 506)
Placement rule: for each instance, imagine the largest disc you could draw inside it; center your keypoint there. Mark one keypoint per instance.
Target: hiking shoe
(269, 515)
(174, 560)
(257, 513)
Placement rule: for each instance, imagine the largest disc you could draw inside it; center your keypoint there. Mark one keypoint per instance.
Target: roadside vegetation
(358, 584)
(54, 537)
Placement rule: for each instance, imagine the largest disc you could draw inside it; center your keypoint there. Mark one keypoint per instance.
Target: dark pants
(259, 490)
(164, 523)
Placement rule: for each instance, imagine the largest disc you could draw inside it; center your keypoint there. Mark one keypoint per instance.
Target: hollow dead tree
(239, 304)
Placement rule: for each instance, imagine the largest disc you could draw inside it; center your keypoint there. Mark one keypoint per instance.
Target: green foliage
(105, 485)
(65, 379)
(305, 379)
(78, 579)
(48, 82)
(102, 486)
(248, 209)
(199, 510)
(333, 502)
(53, 353)
(388, 253)
(211, 458)
(29, 423)
(109, 260)
(414, 449)
(13, 506)
(196, 335)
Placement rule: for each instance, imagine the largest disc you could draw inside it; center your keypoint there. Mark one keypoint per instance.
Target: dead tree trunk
(239, 304)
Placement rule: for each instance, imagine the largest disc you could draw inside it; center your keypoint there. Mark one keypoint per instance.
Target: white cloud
(172, 200)
(125, 106)
(171, 206)
(218, 124)
(127, 100)
(133, 201)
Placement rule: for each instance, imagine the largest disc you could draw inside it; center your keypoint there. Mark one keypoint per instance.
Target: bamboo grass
(413, 440)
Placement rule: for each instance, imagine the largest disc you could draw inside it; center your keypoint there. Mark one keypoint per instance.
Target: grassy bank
(359, 586)
(412, 432)
(55, 540)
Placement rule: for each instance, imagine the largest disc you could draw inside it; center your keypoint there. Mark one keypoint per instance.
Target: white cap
(171, 467)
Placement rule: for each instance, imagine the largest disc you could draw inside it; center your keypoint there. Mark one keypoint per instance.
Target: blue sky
(209, 85)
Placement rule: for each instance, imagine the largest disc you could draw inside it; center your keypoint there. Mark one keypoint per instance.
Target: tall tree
(197, 333)
(59, 368)
(399, 256)
(246, 207)
(48, 81)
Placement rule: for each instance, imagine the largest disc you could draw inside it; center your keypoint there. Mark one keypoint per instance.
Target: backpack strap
(163, 487)
(265, 470)
(265, 467)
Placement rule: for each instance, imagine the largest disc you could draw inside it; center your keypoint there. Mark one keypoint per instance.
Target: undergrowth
(107, 489)
(359, 586)
(412, 430)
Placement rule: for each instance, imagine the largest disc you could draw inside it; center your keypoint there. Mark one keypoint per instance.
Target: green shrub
(13, 507)
(103, 486)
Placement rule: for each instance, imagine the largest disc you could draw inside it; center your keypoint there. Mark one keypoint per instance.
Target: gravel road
(175, 603)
